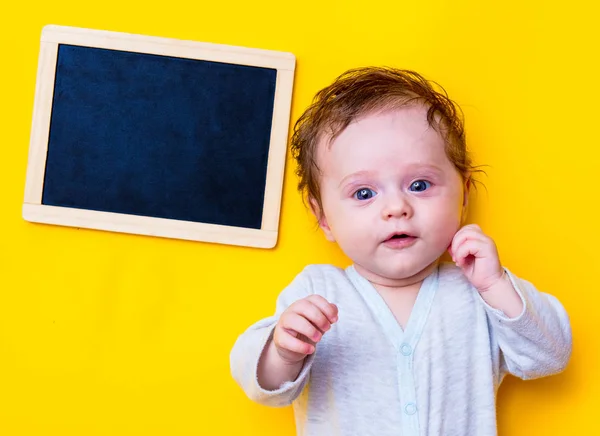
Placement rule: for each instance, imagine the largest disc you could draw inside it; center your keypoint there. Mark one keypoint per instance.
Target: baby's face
(391, 198)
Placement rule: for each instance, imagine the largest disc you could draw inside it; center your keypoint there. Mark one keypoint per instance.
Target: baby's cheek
(448, 226)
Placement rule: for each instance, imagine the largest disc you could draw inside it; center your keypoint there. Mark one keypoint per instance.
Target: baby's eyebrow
(355, 176)
(425, 167)
(412, 168)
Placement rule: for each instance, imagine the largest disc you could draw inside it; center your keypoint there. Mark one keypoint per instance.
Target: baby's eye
(364, 194)
(419, 185)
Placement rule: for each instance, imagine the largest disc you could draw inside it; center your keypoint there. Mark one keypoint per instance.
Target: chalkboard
(159, 137)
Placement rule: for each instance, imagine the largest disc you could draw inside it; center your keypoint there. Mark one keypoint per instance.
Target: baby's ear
(321, 219)
(466, 191)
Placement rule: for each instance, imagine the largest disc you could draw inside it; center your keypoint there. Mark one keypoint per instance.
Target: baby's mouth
(400, 240)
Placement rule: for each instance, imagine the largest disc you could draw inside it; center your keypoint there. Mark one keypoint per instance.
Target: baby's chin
(397, 276)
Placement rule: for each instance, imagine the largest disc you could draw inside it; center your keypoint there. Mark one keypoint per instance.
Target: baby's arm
(256, 364)
(300, 327)
(537, 342)
(532, 329)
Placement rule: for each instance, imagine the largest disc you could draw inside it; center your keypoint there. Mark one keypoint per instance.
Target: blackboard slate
(159, 136)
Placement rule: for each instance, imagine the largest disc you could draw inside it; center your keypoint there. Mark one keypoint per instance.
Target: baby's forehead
(409, 124)
(393, 140)
(408, 118)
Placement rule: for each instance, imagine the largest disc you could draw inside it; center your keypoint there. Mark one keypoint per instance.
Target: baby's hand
(476, 254)
(301, 326)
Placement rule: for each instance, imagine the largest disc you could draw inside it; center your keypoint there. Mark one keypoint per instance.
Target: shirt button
(410, 408)
(405, 349)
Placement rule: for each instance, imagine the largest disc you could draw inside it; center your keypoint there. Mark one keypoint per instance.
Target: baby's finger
(287, 341)
(329, 309)
(312, 313)
(466, 249)
(470, 229)
(298, 324)
(463, 236)
(473, 226)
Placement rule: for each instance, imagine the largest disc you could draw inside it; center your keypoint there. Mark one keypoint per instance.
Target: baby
(399, 342)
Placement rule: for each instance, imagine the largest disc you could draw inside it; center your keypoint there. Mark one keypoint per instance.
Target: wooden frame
(35, 211)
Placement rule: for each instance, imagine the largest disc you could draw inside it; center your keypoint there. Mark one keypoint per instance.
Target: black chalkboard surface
(159, 137)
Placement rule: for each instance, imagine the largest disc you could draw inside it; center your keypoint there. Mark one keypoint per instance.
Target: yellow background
(114, 334)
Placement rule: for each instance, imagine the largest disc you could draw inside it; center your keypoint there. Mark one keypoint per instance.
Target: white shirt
(437, 377)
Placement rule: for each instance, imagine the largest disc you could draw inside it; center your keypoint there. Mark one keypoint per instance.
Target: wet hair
(363, 91)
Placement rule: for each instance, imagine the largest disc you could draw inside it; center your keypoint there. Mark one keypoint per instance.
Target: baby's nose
(397, 207)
